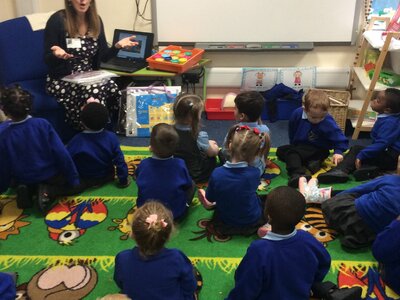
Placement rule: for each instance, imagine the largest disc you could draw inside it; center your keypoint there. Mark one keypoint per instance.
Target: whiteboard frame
(161, 37)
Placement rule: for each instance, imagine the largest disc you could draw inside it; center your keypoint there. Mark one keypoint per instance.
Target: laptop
(133, 59)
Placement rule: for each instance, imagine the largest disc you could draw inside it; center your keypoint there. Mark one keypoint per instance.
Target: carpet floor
(69, 253)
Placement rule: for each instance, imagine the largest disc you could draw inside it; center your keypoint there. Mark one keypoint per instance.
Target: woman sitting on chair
(75, 42)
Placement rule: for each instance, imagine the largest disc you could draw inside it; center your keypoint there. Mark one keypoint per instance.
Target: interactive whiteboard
(215, 21)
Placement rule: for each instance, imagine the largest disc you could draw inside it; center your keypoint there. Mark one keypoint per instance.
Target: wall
(121, 14)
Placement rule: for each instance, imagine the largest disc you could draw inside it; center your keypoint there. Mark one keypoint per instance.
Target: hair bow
(245, 127)
(152, 219)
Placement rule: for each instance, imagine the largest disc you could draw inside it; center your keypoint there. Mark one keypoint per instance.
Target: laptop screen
(140, 51)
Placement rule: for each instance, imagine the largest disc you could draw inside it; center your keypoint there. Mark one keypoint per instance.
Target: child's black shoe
(353, 293)
(24, 197)
(366, 173)
(333, 176)
(44, 201)
(314, 166)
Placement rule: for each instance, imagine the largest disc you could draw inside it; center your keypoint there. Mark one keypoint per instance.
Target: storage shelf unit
(371, 85)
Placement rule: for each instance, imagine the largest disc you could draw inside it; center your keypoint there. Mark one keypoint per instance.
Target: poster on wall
(298, 78)
(258, 79)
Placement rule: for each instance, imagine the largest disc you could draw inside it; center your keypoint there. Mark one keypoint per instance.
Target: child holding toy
(232, 188)
(96, 151)
(162, 176)
(198, 152)
(31, 153)
(248, 109)
(149, 270)
(366, 162)
(312, 133)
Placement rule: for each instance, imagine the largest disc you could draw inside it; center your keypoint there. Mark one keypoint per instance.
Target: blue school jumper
(166, 275)
(95, 154)
(386, 250)
(281, 267)
(233, 187)
(166, 180)
(325, 135)
(31, 152)
(378, 203)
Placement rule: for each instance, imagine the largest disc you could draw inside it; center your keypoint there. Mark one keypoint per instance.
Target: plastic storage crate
(339, 104)
(175, 59)
(214, 111)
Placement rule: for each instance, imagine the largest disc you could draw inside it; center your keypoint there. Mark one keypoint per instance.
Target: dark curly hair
(15, 102)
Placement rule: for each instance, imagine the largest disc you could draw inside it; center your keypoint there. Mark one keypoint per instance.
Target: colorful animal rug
(69, 253)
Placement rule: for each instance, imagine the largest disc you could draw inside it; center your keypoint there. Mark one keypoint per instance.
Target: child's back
(233, 187)
(151, 271)
(96, 151)
(198, 152)
(277, 269)
(30, 149)
(283, 256)
(163, 177)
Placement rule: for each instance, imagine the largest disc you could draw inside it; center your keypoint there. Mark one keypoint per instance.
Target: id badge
(73, 43)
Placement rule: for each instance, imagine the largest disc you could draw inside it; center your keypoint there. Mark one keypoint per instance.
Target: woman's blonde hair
(187, 108)
(316, 99)
(151, 227)
(245, 143)
(71, 23)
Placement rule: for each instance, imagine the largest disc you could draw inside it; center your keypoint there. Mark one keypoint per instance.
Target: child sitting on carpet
(366, 162)
(162, 176)
(286, 263)
(31, 152)
(248, 109)
(386, 251)
(360, 213)
(149, 270)
(232, 188)
(312, 133)
(198, 152)
(96, 151)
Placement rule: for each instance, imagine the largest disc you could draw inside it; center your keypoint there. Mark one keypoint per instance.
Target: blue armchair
(21, 62)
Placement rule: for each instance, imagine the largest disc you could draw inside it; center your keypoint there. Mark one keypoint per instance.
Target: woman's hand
(126, 43)
(60, 53)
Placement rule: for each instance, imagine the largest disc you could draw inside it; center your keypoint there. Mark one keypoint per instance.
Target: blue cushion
(21, 51)
(41, 100)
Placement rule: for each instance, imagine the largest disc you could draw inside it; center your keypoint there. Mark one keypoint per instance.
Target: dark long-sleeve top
(31, 152)
(325, 135)
(164, 276)
(386, 250)
(55, 34)
(95, 154)
(281, 269)
(385, 134)
(379, 201)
